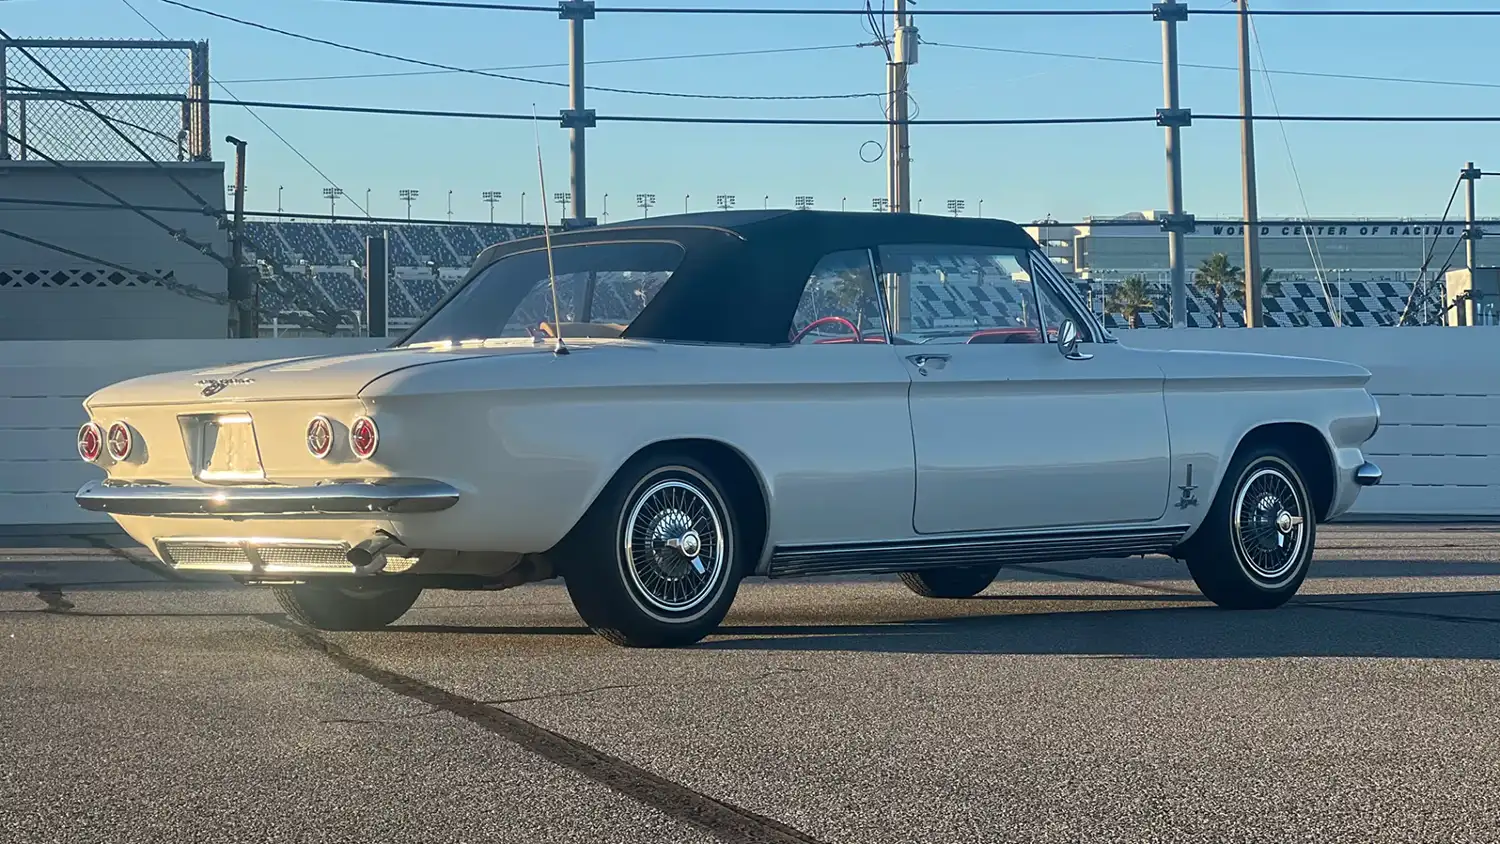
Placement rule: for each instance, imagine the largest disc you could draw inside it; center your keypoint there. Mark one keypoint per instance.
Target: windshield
(601, 289)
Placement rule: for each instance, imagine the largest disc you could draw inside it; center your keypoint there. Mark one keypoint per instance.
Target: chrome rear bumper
(337, 497)
(1368, 474)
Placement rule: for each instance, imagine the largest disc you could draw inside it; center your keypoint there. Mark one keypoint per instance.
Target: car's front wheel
(1256, 543)
(656, 561)
(955, 582)
(346, 606)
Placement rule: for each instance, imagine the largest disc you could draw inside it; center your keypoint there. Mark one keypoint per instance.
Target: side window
(967, 294)
(840, 303)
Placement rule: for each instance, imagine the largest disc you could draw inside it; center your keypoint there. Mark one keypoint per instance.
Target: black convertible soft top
(744, 271)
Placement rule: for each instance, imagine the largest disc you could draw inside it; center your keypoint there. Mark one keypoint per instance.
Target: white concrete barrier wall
(42, 387)
(1439, 390)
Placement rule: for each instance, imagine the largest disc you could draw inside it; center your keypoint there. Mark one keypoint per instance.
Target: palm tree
(1128, 299)
(1268, 287)
(1217, 277)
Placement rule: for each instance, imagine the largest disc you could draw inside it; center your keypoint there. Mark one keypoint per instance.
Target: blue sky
(1019, 172)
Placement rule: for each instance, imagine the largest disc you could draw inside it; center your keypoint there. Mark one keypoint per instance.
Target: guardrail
(1439, 442)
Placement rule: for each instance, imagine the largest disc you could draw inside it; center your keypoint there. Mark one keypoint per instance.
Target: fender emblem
(1188, 498)
(213, 386)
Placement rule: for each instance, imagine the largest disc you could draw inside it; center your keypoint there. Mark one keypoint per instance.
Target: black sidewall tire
(1213, 556)
(596, 570)
(954, 582)
(334, 606)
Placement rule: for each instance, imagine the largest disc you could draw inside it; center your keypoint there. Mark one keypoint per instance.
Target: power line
(1365, 118)
(268, 127)
(621, 118)
(170, 284)
(722, 54)
(177, 234)
(1039, 12)
(1156, 63)
(661, 10)
(505, 76)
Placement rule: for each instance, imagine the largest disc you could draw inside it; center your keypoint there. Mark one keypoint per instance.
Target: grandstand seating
(321, 260)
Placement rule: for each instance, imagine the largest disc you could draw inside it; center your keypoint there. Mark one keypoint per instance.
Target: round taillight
(119, 441)
(363, 437)
(90, 441)
(320, 437)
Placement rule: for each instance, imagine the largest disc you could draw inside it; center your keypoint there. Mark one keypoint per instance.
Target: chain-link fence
(54, 94)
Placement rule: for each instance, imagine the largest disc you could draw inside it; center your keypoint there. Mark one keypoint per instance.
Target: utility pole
(1173, 117)
(576, 118)
(1254, 310)
(898, 142)
(1470, 175)
(247, 316)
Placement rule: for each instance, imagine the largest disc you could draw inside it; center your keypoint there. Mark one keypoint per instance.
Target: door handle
(924, 360)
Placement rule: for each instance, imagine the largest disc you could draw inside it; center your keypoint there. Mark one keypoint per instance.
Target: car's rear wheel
(955, 582)
(1256, 543)
(656, 562)
(346, 606)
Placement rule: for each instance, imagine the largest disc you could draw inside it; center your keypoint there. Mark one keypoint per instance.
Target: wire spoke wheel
(674, 547)
(1269, 524)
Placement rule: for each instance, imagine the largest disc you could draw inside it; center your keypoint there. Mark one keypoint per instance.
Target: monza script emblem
(1188, 498)
(213, 386)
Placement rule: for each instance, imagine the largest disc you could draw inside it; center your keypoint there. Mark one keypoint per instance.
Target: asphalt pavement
(1096, 701)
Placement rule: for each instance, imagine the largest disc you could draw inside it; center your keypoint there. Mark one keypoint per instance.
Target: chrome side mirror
(1068, 338)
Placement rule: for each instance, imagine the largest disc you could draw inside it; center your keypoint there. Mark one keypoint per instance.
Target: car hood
(290, 379)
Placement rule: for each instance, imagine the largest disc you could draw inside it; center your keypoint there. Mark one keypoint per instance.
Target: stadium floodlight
(725, 201)
(644, 201)
(332, 195)
(562, 198)
(230, 189)
(408, 196)
(956, 206)
(802, 203)
(492, 197)
(880, 203)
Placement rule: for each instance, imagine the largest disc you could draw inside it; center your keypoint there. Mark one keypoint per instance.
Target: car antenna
(560, 348)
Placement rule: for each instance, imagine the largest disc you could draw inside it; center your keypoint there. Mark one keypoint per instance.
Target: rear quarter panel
(1214, 399)
(531, 441)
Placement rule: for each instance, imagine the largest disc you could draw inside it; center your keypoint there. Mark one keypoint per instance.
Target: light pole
(684, 202)
(492, 197)
(843, 203)
(279, 189)
(880, 203)
(450, 206)
(803, 203)
(562, 198)
(765, 203)
(332, 195)
(644, 201)
(981, 209)
(408, 195)
(523, 208)
(604, 212)
(919, 206)
(955, 207)
(367, 202)
(725, 201)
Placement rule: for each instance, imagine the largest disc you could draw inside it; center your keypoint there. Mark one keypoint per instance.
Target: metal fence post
(1173, 117)
(576, 119)
(4, 102)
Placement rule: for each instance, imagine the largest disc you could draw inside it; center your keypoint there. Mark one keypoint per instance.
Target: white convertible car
(746, 393)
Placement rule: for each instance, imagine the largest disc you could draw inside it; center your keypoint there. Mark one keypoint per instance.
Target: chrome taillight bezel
(125, 435)
(313, 425)
(98, 432)
(354, 437)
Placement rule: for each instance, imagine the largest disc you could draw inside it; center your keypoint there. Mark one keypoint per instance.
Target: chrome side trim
(972, 550)
(336, 497)
(1368, 474)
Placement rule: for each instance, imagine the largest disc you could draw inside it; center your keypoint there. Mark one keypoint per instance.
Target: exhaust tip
(368, 557)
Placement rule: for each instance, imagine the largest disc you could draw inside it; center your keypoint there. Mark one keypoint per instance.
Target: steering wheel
(797, 336)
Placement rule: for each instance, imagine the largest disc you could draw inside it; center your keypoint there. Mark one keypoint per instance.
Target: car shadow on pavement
(1408, 625)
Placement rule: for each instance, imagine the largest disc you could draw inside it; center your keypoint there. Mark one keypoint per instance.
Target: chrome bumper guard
(336, 497)
(1368, 474)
